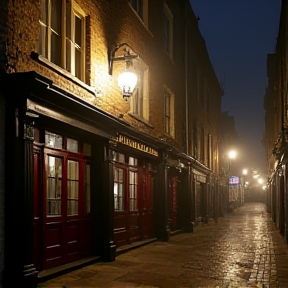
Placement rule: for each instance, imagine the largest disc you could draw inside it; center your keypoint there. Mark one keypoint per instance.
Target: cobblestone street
(243, 249)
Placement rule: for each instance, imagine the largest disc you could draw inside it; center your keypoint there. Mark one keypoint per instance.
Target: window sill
(44, 61)
(141, 119)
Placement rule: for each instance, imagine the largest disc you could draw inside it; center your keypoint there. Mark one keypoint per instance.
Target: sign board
(234, 180)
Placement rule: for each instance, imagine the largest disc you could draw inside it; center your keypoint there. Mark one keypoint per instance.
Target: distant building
(275, 139)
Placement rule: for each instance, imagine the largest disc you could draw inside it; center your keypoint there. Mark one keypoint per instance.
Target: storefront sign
(136, 145)
(234, 180)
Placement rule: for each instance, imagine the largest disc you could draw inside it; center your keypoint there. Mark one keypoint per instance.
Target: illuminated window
(139, 102)
(118, 189)
(168, 31)
(54, 185)
(72, 187)
(133, 184)
(62, 35)
(169, 112)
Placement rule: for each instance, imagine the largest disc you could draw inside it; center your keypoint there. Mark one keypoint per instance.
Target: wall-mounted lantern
(127, 80)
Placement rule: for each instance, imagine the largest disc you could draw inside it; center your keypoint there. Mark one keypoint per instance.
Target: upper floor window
(139, 102)
(169, 112)
(141, 8)
(168, 31)
(62, 35)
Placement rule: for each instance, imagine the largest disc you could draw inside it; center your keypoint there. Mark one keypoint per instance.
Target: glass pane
(55, 166)
(54, 185)
(56, 49)
(72, 187)
(43, 11)
(56, 16)
(118, 157)
(78, 31)
(73, 170)
(68, 55)
(121, 203)
(53, 140)
(72, 145)
(121, 172)
(42, 41)
(68, 20)
(78, 60)
(120, 190)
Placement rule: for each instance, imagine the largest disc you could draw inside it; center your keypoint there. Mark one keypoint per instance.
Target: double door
(62, 216)
(133, 200)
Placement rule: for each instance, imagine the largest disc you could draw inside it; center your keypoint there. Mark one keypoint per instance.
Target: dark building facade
(275, 140)
(83, 171)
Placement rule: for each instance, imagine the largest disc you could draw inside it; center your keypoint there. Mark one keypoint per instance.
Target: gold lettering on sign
(136, 145)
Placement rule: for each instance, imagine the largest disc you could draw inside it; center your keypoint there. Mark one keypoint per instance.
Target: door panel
(53, 253)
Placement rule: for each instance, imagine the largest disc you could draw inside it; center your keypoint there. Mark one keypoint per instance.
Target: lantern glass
(127, 81)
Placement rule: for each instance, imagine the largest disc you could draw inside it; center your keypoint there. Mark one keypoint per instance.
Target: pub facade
(86, 167)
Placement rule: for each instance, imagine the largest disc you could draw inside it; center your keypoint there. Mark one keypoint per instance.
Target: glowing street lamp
(232, 154)
(245, 171)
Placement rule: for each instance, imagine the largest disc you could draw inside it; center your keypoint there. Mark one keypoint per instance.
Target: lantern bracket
(127, 57)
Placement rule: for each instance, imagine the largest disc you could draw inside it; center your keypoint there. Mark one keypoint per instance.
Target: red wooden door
(147, 218)
(63, 208)
(133, 200)
(173, 203)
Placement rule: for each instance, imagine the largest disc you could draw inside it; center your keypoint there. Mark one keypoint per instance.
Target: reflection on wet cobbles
(243, 249)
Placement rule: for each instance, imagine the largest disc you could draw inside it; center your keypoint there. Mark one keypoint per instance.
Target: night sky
(239, 35)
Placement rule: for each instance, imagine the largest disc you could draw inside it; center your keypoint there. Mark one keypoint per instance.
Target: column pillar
(162, 197)
(19, 269)
(109, 248)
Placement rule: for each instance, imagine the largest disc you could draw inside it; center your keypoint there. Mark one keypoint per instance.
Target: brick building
(84, 170)
(276, 125)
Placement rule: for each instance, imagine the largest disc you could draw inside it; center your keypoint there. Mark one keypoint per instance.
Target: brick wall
(3, 33)
(111, 22)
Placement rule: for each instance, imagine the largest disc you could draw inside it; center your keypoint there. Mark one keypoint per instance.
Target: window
(138, 7)
(139, 103)
(141, 9)
(168, 31)
(72, 187)
(54, 185)
(118, 189)
(62, 35)
(62, 175)
(168, 112)
(202, 153)
(125, 183)
(133, 183)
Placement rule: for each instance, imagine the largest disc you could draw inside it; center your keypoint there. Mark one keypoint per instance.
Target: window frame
(169, 115)
(168, 35)
(141, 12)
(45, 41)
(141, 91)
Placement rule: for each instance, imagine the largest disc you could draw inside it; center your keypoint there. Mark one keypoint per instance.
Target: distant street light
(245, 171)
(232, 154)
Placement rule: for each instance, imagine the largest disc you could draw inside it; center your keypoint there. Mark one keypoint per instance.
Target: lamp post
(233, 181)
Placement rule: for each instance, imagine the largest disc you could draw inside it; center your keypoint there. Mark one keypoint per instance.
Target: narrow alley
(244, 249)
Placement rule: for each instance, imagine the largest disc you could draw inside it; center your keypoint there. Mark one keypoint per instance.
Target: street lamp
(233, 182)
(232, 154)
(127, 80)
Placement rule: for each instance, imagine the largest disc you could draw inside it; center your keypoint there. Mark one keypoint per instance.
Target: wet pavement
(244, 249)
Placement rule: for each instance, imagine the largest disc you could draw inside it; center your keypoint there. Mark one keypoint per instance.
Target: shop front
(134, 190)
